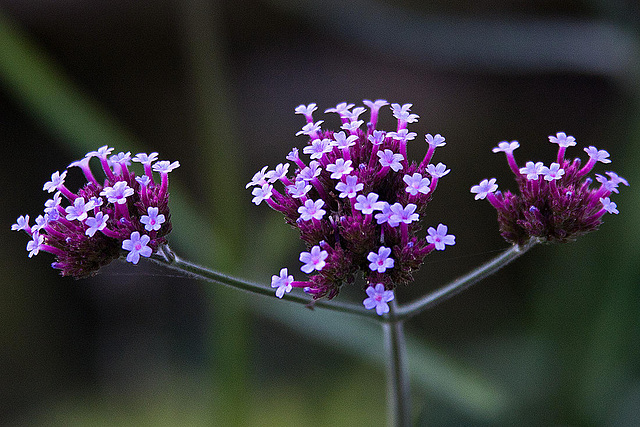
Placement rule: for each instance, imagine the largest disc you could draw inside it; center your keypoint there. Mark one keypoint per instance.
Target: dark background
(551, 339)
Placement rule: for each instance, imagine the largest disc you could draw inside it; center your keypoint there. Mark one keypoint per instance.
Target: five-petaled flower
(378, 298)
(357, 202)
(558, 207)
(118, 214)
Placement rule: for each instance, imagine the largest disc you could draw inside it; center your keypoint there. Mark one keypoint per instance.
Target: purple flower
(439, 237)
(390, 159)
(563, 140)
(118, 193)
(532, 170)
(350, 188)
(484, 188)
(378, 298)
(314, 260)
(355, 198)
(97, 223)
(282, 282)
(312, 210)
(85, 231)
(369, 203)
(416, 184)
(340, 168)
(402, 214)
(152, 221)
(137, 246)
(380, 261)
(560, 207)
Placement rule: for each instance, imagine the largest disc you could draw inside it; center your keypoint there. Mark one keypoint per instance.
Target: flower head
(357, 201)
(556, 203)
(121, 215)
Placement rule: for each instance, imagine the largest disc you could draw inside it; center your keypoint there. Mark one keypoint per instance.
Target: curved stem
(418, 306)
(398, 386)
(168, 258)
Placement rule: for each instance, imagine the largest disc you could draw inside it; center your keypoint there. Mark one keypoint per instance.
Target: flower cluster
(357, 202)
(103, 220)
(556, 203)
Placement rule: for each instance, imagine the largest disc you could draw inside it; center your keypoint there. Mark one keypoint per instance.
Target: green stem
(398, 386)
(168, 258)
(423, 303)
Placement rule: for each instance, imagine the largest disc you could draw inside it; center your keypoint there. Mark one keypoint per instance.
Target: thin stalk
(423, 303)
(165, 256)
(398, 386)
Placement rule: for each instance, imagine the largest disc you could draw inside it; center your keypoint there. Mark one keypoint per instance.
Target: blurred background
(553, 339)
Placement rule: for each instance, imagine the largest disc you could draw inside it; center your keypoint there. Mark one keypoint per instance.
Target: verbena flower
(357, 202)
(557, 203)
(119, 215)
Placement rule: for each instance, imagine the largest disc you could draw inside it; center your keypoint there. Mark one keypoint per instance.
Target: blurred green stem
(398, 385)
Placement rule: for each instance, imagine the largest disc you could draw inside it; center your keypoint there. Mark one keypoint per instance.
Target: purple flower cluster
(556, 203)
(357, 202)
(103, 220)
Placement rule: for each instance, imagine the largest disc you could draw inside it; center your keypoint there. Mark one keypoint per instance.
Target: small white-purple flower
(57, 179)
(118, 193)
(597, 155)
(306, 110)
(97, 223)
(553, 172)
(485, 187)
(378, 298)
(369, 203)
(435, 141)
(312, 210)
(299, 189)
(385, 215)
(259, 178)
(506, 147)
(416, 184)
(102, 153)
(402, 135)
(381, 261)
(390, 159)
(438, 171)
(137, 246)
(402, 214)
(609, 206)
(145, 159)
(343, 141)
(52, 204)
(340, 168)
(262, 193)
(318, 148)
(78, 211)
(314, 260)
(282, 282)
(350, 188)
(22, 223)
(35, 244)
(532, 170)
(377, 137)
(341, 108)
(563, 140)
(440, 238)
(164, 166)
(310, 128)
(310, 172)
(280, 172)
(152, 221)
